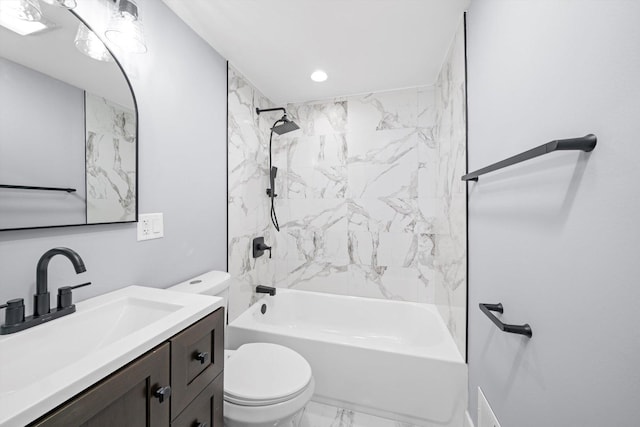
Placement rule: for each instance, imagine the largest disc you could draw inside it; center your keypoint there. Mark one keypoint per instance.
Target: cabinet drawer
(205, 410)
(197, 357)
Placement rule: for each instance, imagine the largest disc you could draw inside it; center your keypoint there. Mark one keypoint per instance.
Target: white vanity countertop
(44, 366)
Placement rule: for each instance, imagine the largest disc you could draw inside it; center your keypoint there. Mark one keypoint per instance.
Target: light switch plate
(486, 417)
(150, 226)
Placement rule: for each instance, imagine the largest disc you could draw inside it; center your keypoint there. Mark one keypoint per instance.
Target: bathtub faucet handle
(267, 248)
(259, 247)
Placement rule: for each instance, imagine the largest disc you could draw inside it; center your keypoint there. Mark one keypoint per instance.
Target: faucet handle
(259, 247)
(64, 295)
(81, 285)
(15, 311)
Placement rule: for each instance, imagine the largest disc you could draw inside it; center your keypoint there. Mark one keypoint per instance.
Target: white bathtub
(387, 358)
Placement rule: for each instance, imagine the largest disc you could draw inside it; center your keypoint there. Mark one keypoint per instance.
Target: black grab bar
(514, 329)
(29, 187)
(585, 143)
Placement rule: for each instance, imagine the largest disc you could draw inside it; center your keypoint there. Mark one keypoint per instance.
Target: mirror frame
(135, 106)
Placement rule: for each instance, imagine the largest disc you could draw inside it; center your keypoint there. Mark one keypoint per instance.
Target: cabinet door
(206, 409)
(197, 357)
(124, 399)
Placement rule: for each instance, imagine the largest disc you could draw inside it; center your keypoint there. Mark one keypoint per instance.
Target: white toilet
(265, 385)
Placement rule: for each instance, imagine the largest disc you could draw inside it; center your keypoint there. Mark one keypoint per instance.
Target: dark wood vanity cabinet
(190, 363)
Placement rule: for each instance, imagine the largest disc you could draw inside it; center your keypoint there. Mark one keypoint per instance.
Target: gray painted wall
(180, 85)
(556, 240)
(41, 144)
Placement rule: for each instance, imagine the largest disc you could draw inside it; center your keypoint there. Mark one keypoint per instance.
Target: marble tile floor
(320, 415)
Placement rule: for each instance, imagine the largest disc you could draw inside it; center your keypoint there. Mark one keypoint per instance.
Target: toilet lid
(264, 374)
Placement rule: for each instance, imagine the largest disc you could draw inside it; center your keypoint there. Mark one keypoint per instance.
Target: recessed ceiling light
(319, 76)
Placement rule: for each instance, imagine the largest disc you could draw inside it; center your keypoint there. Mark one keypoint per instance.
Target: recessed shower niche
(68, 129)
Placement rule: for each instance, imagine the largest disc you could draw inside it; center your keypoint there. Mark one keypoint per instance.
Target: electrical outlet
(150, 226)
(486, 417)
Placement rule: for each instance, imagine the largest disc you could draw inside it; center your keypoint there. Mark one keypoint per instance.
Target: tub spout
(260, 289)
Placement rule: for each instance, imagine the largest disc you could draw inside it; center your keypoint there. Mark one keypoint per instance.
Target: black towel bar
(29, 187)
(514, 329)
(585, 143)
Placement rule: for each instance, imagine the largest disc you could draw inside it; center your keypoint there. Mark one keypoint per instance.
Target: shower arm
(265, 110)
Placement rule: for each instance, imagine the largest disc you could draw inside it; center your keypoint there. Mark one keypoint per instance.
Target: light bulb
(125, 28)
(88, 43)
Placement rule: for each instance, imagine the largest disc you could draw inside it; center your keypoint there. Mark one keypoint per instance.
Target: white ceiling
(364, 45)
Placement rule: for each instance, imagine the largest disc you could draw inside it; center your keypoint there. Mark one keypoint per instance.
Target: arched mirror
(68, 123)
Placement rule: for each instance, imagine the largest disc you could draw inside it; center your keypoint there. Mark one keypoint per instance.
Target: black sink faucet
(15, 320)
(41, 300)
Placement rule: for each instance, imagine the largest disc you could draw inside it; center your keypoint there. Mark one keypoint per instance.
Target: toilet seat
(260, 374)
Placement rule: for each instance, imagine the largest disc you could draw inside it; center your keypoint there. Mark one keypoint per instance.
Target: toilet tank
(214, 283)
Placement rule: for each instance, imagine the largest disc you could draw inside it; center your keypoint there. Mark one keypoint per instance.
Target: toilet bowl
(265, 385)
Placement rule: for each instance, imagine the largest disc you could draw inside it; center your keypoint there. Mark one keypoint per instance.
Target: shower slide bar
(585, 143)
(29, 187)
(514, 329)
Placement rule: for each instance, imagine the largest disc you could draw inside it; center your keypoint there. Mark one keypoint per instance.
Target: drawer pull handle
(201, 357)
(162, 393)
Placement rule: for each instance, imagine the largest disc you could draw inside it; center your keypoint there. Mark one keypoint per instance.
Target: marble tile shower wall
(248, 166)
(359, 209)
(450, 132)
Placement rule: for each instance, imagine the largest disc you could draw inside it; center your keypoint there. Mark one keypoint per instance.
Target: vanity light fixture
(23, 17)
(125, 28)
(20, 26)
(20, 10)
(69, 4)
(88, 43)
(319, 76)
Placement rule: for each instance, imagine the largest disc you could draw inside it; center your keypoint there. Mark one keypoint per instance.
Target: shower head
(282, 126)
(285, 126)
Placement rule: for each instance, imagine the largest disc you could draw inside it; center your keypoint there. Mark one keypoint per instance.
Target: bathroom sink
(44, 366)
